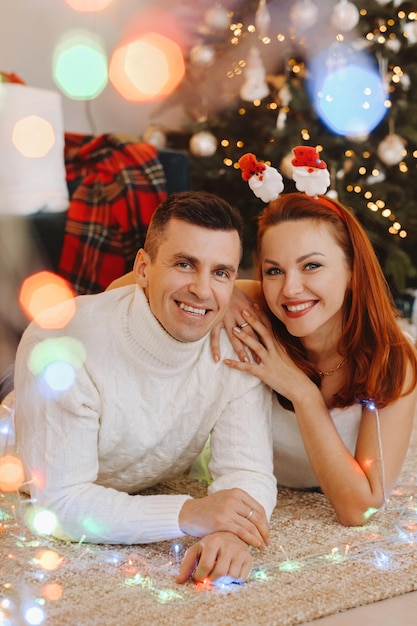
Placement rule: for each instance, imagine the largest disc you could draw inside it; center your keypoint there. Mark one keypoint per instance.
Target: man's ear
(140, 268)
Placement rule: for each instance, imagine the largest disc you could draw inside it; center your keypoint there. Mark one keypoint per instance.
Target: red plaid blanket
(117, 185)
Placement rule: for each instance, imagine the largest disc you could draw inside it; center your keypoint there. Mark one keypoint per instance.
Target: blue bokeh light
(347, 91)
(59, 375)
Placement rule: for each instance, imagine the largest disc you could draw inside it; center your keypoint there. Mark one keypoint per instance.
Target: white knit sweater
(139, 411)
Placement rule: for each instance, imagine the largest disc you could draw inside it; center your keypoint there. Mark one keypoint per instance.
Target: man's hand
(219, 554)
(229, 510)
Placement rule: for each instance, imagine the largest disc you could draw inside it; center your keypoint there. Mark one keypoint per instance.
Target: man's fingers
(224, 555)
(189, 563)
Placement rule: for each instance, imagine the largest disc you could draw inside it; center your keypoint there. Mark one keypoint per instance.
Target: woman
(329, 345)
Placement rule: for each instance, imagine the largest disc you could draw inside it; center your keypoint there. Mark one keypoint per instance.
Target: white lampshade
(32, 166)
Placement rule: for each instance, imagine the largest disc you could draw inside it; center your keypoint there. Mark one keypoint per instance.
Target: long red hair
(377, 351)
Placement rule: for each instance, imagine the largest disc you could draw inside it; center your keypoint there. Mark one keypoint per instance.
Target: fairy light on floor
(43, 558)
(155, 576)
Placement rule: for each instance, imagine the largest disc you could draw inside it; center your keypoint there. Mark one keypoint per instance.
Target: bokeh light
(37, 479)
(347, 92)
(55, 362)
(41, 521)
(49, 560)
(48, 299)
(33, 136)
(56, 349)
(88, 6)
(59, 375)
(80, 65)
(33, 614)
(148, 68)
(52, 591)
(12, 474)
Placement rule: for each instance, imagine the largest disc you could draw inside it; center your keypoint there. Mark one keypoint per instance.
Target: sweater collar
(147, 339)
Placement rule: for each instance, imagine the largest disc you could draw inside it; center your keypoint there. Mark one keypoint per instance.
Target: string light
(384, 549)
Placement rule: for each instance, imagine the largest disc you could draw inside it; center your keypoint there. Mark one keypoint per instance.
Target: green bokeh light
(80, 66)
(60, 349)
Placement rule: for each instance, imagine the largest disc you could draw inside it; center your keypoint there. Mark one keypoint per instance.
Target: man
(142, 396)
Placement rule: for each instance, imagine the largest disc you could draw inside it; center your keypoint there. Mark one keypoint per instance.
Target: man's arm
(59, 438)
(241, 463)
(241, 444)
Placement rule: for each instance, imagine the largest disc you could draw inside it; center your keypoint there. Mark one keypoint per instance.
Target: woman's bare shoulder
(126, 279)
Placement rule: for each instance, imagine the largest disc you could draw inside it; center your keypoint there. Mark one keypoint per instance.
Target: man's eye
(222, 274)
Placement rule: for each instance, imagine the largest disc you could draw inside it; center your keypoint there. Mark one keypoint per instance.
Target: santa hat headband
(309, 173)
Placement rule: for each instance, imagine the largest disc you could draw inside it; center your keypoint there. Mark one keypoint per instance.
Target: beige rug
(313, 567)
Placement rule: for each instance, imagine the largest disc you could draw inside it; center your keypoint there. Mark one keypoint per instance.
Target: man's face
(190, 282)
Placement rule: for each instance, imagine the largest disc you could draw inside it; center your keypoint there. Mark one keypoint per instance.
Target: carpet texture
(313, 567)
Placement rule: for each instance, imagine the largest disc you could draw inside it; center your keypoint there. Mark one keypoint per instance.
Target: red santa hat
(250, 166)
(307, 156)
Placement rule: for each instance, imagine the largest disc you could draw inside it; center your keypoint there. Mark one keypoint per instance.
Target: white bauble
(410, 31)
(304, 14)
(345, 15)
(202, 55)
(391, 149)
(262, 19)
(156, 136)
(376, 178)
(394, 45)
(405, 82)
(217, 18)
(332, 194)
(203, 144)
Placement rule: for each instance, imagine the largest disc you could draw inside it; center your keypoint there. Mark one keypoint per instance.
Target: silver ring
(249, 515)
(244, 324)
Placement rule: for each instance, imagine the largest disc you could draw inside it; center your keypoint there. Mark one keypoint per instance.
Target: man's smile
(191, 309)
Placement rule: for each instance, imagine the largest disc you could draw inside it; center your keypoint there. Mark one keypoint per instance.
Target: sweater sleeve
(241, 447)
(57, 438)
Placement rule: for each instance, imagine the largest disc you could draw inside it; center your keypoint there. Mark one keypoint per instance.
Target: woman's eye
(273, 271)
(312, 266)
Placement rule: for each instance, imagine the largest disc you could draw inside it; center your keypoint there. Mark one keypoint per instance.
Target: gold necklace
(334, 370)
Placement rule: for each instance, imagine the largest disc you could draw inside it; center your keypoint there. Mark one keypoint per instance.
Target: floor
(401, 610)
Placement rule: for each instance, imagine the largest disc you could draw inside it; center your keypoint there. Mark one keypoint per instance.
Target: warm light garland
(382, 549)
(42, 556)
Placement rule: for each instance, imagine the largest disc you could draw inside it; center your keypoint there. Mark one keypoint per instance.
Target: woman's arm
(356, 486)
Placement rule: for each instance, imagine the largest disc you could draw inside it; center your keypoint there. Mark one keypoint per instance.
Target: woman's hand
(243, 297)
(228, 510)
(272, 364)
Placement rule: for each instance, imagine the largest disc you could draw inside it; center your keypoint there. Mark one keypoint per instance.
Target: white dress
(291, 465)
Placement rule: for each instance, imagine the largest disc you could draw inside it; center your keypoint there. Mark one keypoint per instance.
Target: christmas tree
(249, 88)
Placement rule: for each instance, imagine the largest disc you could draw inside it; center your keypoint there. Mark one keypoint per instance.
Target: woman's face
(305, 275)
